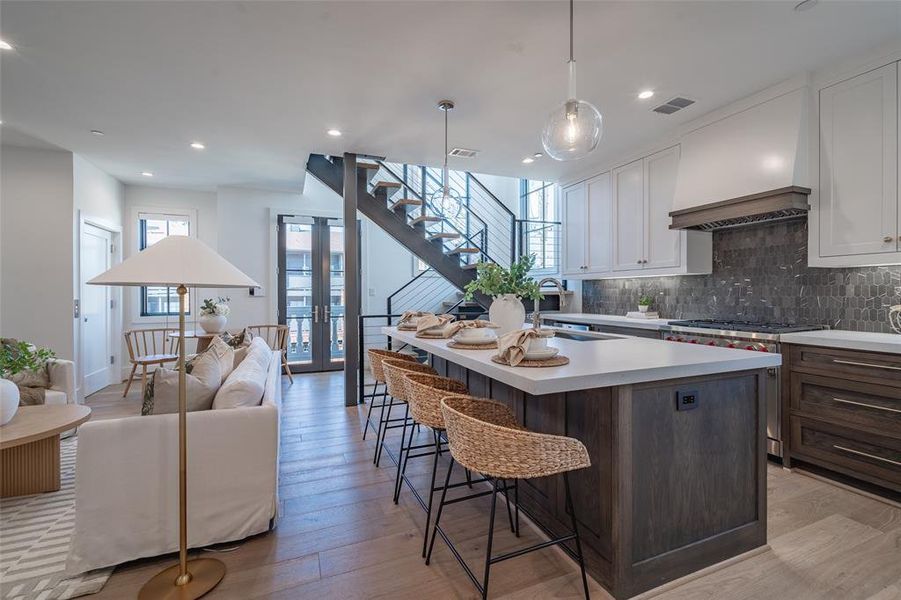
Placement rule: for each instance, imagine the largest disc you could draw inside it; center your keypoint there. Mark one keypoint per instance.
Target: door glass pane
(299, 291)
(335, 281)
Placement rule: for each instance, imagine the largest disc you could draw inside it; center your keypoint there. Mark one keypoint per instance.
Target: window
(539, 224)
(157, 301)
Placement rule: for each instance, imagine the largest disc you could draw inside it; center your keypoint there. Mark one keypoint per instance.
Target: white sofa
(62, 382)
(126, 491)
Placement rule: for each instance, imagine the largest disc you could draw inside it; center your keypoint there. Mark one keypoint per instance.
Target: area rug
(35, 534)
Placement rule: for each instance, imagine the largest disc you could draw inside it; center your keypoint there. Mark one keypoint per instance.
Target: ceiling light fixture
(4, 45)
(537, 155)
(446, 202)
(146, 173)
(198, 146)
(96, 132)
(646, 94)
(334, 132)
(528, 160)
(573, 130)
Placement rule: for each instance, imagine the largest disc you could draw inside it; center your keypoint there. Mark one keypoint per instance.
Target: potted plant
(17, 358)
(644, 303)
(507, 287)
(213, 314)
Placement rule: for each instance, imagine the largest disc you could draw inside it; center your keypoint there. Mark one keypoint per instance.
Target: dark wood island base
(671, 490)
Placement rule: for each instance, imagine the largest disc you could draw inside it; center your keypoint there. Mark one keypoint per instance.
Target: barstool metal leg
(450, 468)
(402, 460)
(400, 456)
(428, 511)
(378, 434)
(572, 514)
(368, 422)
(509, 509)
(516, 503)
(490, 540)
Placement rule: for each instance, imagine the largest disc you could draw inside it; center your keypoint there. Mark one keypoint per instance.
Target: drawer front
(633, 331)
(868, 456)
(848, 402)
(877, 368)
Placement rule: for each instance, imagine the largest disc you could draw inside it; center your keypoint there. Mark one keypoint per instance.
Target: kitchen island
(677, 439)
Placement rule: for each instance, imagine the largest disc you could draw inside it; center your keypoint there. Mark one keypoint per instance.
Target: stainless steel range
(745, 335)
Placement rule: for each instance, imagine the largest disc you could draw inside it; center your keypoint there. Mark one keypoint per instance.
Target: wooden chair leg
(131, 377)
(287, 368)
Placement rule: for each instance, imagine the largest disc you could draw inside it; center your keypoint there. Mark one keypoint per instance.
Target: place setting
(528, 348)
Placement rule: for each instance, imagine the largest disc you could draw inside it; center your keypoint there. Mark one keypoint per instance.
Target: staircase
(451, 240)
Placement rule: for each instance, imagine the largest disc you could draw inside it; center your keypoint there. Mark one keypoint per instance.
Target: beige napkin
(452, 329)
(430, 321)
(410, 315)
(512, 346)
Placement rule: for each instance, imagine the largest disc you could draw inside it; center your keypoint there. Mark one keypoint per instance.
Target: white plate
(474, 341)
(543, 354)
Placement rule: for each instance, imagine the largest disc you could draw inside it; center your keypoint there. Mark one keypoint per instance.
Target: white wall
(36, 242)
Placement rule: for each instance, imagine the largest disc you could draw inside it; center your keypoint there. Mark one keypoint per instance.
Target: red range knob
(731, 346)
(763, 349)
(693, 342)
(711, 343)
(750, 348)
(669, 338)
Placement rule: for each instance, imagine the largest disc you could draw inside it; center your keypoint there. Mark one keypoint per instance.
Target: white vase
(212, 323)
(643, 308)
(9, 400)
(508, 313)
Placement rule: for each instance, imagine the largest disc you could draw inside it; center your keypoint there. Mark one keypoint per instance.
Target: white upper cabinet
(617, 224)
(629, 217)
(575, 209)
(858, 204)
(662, 244)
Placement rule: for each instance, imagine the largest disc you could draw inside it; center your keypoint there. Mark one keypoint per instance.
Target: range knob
(711, 343)
(750, 348)
(763, 349)
(693, 341)
(731, 346)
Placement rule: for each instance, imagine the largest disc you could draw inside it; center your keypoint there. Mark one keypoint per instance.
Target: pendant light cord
(571, 59)
(446, 186)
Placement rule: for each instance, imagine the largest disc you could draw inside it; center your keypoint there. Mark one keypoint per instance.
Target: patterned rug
(35, 532)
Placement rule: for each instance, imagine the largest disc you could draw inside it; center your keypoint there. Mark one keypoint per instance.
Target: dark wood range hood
(774, 205)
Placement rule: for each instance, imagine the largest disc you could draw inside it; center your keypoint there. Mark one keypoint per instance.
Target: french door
(311, 291)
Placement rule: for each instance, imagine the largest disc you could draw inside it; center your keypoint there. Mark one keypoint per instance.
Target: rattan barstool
(376, 356)
(394, 382)
(482, 438)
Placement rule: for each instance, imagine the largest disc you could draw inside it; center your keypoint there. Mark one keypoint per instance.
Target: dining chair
(149, 347)
(276, 337)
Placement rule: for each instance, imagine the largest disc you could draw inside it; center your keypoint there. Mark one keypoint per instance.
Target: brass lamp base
(205, 574)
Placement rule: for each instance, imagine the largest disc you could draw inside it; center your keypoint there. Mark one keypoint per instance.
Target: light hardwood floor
(340, 535)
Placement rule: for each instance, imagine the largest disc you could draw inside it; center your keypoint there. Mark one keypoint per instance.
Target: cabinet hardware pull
(863, 364)
(316, 314)
(876, 406)
(873, 456)
(888, 239)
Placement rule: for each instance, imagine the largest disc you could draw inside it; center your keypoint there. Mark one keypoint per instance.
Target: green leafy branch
(16, 357)
(494, 280)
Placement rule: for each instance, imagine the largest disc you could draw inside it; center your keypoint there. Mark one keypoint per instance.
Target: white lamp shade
(176, 260)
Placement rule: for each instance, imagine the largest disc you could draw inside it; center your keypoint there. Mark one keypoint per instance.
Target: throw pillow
(202, 383)
(247, 383)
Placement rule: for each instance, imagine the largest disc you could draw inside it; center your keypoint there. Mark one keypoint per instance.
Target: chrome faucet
(536, 317)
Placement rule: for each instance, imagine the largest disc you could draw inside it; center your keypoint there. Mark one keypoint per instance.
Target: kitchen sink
(584, 337)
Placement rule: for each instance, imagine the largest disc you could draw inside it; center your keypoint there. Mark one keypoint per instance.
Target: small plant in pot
(644, 303)
(21, 363)
(508, 288)
(214, 314)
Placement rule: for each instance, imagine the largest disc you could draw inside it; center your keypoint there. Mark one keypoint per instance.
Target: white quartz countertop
(600, 363)
(614, 320)
(850, 340)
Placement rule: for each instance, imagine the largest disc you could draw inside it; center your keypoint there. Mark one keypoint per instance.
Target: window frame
(525, 195)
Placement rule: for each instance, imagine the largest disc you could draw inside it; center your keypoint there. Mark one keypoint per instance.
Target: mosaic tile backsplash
(760, 273)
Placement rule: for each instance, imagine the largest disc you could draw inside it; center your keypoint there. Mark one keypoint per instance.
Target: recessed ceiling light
(334, 132)
(4, 45)
(198, 146)
(96, 132)
(644, 95)
(528, 160)
(146, 173)
(537, 155)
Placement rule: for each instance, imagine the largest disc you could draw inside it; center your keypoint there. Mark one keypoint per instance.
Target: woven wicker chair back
(394, 375)
(484, 437)
(377, 355)
(424, 394)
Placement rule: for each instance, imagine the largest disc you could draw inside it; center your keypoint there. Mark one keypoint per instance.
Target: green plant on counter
(645, 300)
(494, 280)
(16, 357)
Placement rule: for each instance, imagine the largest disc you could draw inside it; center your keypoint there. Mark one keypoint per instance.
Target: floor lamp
(181, 262)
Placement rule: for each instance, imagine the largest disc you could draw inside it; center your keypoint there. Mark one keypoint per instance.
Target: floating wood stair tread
(386, 184)
(464, 250)
(424, 219)
(471, 266)
(444, 235)
(406, 202)
(366, 165)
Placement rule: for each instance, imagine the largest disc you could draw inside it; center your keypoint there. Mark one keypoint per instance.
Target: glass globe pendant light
(446, 202)
(573, 130)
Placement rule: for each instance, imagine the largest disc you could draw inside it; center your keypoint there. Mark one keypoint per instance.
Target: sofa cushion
(55, 397)
(246, 384)
(161, 396)
(223, 353)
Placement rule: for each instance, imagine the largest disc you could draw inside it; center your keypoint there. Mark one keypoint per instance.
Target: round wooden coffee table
(29, 447)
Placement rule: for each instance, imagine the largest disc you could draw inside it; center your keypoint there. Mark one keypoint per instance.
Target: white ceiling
(260, 82)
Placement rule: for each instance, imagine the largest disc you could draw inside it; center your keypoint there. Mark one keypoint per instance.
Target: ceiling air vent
(671, 106)
(462, 153)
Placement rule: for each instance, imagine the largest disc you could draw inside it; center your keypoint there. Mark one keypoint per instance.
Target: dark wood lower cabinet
(669, 491)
